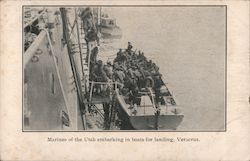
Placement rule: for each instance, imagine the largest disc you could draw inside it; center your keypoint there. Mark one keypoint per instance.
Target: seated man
(119, 77)
(91, 35)
(121, 57)
(108, 70)
(118, 56)
(93, 57)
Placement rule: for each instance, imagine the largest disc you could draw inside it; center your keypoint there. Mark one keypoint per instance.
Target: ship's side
(50, 98)
(111, 32)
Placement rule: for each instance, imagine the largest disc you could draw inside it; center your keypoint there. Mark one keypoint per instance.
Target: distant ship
(109, 29)
(107, 26)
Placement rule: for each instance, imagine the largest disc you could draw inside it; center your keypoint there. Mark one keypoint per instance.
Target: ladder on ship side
(83, 48)
(84, 52)
(79, 46)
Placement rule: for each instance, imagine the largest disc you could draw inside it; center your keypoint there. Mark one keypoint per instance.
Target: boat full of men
(131, 69)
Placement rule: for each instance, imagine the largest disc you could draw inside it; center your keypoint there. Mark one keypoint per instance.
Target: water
(188, 44)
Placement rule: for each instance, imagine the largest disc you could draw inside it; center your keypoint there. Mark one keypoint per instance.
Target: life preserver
(149, 78)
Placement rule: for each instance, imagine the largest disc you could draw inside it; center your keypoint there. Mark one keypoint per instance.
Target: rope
(80, 48)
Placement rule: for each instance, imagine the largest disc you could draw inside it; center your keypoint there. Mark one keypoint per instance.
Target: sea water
(188, 45)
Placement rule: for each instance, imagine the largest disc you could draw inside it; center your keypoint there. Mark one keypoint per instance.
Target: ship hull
(111, 32)
(147, 121)
(165, 122)
(50, 100)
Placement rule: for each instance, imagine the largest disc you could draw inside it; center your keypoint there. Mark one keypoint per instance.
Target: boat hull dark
(165, 122)
(111, 32)
(147, 122)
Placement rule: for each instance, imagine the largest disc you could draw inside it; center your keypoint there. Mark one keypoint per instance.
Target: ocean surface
(188, 44)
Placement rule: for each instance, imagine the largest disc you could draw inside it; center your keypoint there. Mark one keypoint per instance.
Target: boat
(147, 117)
(109, 29)
(106, 25)
(144, 101)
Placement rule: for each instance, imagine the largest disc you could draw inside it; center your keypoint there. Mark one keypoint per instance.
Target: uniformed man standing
(129, 49)
(99, 75)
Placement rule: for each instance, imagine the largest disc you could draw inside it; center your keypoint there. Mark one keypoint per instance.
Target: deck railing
(92, 83)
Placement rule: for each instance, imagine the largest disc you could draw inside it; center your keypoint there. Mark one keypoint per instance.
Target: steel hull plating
(111, 32)
(165, 122)
(147, 121)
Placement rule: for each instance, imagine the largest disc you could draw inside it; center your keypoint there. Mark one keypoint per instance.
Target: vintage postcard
(134, 81)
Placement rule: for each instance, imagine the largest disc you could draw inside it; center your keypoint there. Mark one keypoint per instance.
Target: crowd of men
(131, 69)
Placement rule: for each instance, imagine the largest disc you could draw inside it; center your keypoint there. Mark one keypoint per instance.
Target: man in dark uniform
(93, 56)
(108, 69)
(118, 56)
(99, 75)
(158, 83)
(129, 49)
(133, 90)
(86, 17)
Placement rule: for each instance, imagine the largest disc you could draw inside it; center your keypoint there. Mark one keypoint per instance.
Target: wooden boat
(146, 117)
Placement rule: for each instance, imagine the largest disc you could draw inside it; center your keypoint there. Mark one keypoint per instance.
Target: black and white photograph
(124, 68)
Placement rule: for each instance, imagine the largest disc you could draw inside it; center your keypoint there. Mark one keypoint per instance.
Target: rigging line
(72, 27)
(75, 74)
(57, 71)
(79, 43)
(73, 36)
(74, 70)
